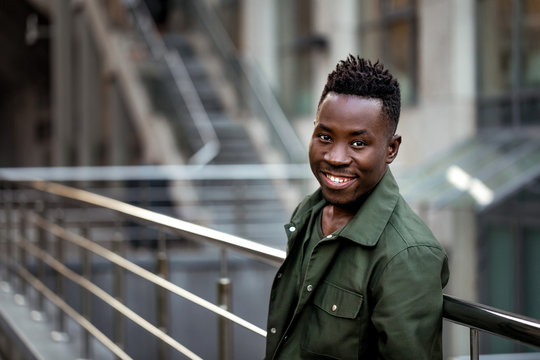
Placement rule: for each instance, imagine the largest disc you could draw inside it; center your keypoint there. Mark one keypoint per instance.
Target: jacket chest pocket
(333, 329)
(337, 302)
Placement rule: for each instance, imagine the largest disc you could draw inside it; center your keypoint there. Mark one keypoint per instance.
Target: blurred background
(207, 84)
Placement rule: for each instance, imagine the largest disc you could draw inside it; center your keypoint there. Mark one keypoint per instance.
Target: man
(363, 276)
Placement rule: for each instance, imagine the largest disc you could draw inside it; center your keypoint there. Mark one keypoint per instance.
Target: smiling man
(363, 276)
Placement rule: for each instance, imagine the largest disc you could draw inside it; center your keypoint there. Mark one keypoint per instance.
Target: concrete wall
(456, 231)
(259, 35)
(445, 111)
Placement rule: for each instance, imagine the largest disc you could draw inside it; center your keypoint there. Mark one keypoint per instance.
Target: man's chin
(336, 201)
(342, 202)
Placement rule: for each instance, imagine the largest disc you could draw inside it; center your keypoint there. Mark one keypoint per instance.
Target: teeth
(337, 179)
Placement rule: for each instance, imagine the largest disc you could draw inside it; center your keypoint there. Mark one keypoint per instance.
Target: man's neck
(334, 218)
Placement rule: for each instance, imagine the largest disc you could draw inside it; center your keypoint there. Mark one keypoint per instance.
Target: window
(388, 32)
(509, 266)
(297, 46)
(508, 63)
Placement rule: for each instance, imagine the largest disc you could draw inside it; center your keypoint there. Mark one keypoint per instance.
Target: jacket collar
(367, 225)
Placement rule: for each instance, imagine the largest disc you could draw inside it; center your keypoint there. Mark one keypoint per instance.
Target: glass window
(500, 261)
(508, 63)
(495, 46)
(499, 254)
(531, 276)
(530, 47)
(509, 266)
(388, 33)
(297, 45)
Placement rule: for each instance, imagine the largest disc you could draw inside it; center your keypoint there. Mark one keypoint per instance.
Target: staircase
(248, 208)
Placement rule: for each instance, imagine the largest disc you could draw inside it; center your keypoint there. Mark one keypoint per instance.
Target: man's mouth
(338, 180)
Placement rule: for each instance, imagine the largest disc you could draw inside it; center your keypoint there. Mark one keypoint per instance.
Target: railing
(32, 246)
(251, 87)
(488, 319)
(26, 261)
(159, 172)
(176, 70)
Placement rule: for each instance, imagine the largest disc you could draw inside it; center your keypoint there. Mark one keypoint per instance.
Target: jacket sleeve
(407, 310)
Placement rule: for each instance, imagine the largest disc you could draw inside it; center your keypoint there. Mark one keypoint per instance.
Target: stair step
(251, 209)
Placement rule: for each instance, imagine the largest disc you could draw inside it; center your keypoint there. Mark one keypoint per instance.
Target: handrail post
(475, 344)
(18, 297)
(224, 301)
(86, 272)
(3, 235)
(60, 333)
(9, 238)
(39, 303)
(42, 244)
(162, 304)
(21, 252)
(118, 288)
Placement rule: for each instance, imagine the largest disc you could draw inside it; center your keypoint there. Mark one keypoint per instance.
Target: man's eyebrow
(323, 127)
(353, 133)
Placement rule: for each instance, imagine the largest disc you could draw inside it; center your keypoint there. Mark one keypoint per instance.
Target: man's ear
(393, 148)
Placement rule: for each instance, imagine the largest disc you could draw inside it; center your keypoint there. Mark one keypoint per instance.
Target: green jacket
(372, 290)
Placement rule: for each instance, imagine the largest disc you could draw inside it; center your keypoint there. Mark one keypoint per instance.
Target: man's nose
(338, 155)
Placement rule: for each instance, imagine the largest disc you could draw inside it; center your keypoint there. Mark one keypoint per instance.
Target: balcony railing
(47, 229)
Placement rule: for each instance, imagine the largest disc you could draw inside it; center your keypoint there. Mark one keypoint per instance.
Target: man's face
(351, 147)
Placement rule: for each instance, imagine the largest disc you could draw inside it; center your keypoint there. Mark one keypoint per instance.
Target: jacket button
(292, 229)
(273, 330)
(334, 307)
(309, 288)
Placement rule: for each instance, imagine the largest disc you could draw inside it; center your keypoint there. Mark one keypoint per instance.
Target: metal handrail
(72, 313)
(189, 230)
(475, 316)
(135, 269)
(492, 320)
(182, 80)
(245, 70)
(161, 172)
(260, 252)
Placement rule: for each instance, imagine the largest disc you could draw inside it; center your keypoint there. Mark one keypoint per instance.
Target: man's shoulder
(411, 230)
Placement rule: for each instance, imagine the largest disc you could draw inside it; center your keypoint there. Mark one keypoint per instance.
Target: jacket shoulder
(307, 204)
(410, 228)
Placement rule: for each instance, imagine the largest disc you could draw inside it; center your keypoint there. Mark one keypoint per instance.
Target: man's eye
(358, 143)
(324, 137)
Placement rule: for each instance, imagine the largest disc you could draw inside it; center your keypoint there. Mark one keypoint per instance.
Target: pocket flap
(337, 301)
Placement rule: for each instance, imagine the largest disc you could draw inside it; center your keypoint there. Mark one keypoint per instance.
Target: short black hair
(358, 76)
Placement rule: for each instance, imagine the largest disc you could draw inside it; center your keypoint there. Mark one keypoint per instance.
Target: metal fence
(46, 224)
